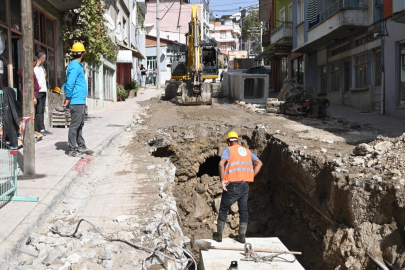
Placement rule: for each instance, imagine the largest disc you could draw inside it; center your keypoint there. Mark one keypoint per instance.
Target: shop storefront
(10, 43)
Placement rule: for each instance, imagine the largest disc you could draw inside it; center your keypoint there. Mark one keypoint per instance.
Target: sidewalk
(55, 171)
(391, 126)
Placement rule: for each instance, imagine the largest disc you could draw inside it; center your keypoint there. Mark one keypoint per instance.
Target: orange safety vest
(239, 166)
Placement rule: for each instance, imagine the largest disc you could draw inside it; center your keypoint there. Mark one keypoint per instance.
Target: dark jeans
(154, 80)
(76, 126)
(236, 192)
(40, 110)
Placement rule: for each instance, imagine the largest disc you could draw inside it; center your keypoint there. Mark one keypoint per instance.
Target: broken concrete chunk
(74, 258)
(382, 147)
(105, 255)
(362, 149)
(323, 150)
(122, 218)
(202, 210)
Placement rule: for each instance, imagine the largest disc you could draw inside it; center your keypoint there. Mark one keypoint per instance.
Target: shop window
(402, 74)
(361, 70)
(335, 76)
(3, 14)
(15, 14)
(49, 33)
(322, 76)
(44, 41)
(3, 57)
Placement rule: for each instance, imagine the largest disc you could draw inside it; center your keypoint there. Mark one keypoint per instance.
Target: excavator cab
(209, 58)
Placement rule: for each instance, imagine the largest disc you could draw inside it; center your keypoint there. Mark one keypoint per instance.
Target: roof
(150, 41)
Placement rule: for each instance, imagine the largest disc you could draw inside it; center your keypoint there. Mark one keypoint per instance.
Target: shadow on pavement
(63, 146)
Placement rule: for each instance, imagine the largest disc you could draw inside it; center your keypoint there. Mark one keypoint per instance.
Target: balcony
(284, 31)
(338, 21)
(63, 5)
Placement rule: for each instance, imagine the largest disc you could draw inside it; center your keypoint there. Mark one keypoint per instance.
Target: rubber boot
(242, 232)
(217, 236)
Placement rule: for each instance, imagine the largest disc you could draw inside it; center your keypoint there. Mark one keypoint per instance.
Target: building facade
(47, 20)
(174, 24)
(226, 32)
(349, 51)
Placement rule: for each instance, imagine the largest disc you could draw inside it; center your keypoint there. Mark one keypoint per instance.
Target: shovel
(205, 245)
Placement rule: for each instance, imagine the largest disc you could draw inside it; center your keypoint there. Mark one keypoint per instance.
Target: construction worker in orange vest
(237, 168)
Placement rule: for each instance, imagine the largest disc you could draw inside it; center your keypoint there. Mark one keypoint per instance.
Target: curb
(54, 197)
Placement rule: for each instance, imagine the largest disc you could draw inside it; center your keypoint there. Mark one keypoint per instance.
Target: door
(346, 69)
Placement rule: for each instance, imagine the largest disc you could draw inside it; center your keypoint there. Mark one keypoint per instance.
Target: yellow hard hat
(56, 90)
(232, 134)
(78, 47)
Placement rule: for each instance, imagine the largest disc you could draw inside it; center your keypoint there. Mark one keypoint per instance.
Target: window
(366, 39)
(3, 11)
(223, 47)
(151, 63)
(44, 40)
(340, 49)
(281, 17)
(124, 29)
(290, 12)
(223, 34)
(402, 74)
(377, 68)
(91, 81)
(335, 76)
(108, 83)
(322, 75)
(300, 11)
(361, 70)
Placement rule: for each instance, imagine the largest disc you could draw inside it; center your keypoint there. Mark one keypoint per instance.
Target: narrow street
(166, 158)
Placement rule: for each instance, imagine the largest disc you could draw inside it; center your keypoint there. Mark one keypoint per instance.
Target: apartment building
(350, 51)
(226, 32)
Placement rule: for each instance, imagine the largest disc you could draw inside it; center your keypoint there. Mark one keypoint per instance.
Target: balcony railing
(339, 5)
(283, 31)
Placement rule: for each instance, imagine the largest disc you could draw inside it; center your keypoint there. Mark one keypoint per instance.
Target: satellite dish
(2, 44)
(110, 22)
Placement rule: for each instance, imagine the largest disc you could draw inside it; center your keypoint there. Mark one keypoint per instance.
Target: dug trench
(330, 211)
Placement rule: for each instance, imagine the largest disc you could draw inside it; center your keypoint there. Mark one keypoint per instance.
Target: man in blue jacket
(76, 93)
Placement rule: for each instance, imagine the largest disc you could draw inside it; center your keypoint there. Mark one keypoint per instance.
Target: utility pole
(28, 86)
(158, 44)
(261, 41)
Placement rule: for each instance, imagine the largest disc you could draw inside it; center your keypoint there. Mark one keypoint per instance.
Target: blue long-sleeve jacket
(75, 85)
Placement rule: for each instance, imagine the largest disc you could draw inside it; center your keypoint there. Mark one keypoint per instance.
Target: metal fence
(338, 5)
(8, 166)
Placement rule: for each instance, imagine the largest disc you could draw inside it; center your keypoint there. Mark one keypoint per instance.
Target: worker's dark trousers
(76, 126)
(40, 110)
(236, 192)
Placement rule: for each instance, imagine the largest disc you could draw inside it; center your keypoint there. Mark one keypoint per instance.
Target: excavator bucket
(188, 97)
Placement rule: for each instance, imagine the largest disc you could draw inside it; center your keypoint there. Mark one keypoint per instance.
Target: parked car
(258, 70)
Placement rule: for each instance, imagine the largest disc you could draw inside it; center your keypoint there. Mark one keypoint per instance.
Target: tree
(87, 24)
(251, 26)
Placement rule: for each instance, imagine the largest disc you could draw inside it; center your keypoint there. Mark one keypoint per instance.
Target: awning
(135, 52)
(275, 49)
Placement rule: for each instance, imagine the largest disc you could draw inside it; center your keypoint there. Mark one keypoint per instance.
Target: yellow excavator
(196, 62)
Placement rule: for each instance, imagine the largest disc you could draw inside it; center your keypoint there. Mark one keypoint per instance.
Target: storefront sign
(282, 50)
(124, 56)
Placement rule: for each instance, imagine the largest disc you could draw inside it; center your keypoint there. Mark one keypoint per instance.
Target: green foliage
(133, 85)
(93, 34)
(221, 64)
(251, 26)
(122, 94)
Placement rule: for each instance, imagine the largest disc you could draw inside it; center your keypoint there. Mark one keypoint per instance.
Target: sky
(228, 7)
